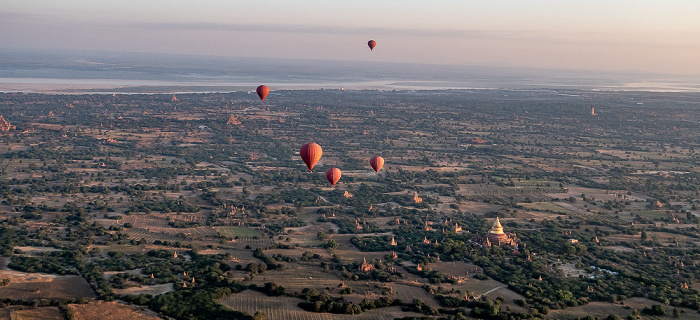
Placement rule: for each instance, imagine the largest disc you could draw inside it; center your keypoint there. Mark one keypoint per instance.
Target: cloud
(311, 29)
(551, 37)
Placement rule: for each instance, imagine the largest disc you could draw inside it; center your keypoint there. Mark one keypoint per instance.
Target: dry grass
(407, 293)
(100, 310)
(36, 250)
(456, 268)
(619, 249)
(152, 290)
(21, 313)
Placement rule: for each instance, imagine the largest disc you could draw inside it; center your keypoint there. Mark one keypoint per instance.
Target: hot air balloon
(377, 163)
(333, 175)
(262, 91)
(310, 153)
(372, 44)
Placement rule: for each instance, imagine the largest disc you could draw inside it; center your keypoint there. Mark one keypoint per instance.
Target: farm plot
(241, 257)
(298, 276)
(653, 215)
(100, 310)
(197, 217)
(298, 252)
(36, 250)
(489, 287)
(144, 222)
(407, 293)
(152, 290)
(455, 268)
(138, 234)
(303, 240)
(161, 226)
(509, 297)
(46, 313)
(194, 233)
(241, 232)
(261, 242)
(382, 222)
(347, 256)
(41, 286)
(286, 308)
(545, 206)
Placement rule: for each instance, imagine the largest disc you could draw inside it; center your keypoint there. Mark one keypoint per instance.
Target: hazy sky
(639, 35)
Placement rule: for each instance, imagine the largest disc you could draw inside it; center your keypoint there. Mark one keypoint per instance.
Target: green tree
(332, 244)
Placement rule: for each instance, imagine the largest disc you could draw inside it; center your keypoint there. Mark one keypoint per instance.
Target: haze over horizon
(640, 36)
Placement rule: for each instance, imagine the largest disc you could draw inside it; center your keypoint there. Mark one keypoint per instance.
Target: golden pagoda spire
(497, 228)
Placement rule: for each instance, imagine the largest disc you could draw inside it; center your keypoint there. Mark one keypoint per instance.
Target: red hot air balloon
(262, 91)
(333, 175)
(372, 44)
(377, 163)
(310, 153)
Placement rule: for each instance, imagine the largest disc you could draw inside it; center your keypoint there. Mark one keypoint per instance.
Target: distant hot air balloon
(262, 91)
(310, 153)
(372, 44)
(333, 175)
(377, 163)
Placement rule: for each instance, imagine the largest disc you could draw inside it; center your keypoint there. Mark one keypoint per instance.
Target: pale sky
(611, 35)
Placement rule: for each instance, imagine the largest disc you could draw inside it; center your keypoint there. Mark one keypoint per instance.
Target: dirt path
(494, 289)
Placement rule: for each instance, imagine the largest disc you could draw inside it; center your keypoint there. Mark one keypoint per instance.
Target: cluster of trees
(347, 225)
(49, 264)
(279, 227)
(164, 206)
(322, 302)
(9, 238)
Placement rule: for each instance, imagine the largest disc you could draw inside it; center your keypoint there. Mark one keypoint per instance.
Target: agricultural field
(546, 207)
(286, 308)
(43, 313)
(100, 310)
(43, 286)
(241, 232)
(296, 277)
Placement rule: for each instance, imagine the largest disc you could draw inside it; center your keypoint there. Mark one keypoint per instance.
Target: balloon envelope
(377, 163)
(333, 175)
(262, 91)
(372, 44)
(310, 153)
